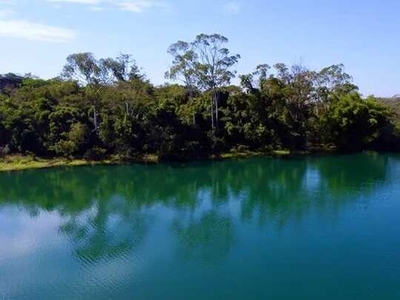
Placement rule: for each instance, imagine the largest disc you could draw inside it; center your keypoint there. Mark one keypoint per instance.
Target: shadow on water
(108, 211)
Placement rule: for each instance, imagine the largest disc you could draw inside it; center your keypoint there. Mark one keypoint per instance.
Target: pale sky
(37, 35)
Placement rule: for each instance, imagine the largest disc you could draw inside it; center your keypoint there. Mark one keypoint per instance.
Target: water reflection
(205, 240)
(108, 212)
(108, 230)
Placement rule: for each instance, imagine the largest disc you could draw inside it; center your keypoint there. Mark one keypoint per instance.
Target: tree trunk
(191, 97)
(212, 113)
(127, 109)
(216, 111)
(96, 126)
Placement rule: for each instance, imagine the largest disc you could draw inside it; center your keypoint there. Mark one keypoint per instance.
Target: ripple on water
(325, 226)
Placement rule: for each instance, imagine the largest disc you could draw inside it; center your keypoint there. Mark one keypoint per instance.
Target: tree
(84, 68)
(184, 64)
(207, 63)
(330, 83)
(121, 69)
(107, 106)
(184, 67)
(355, 123)
(256, 78)
(73, 140)
(214, 67)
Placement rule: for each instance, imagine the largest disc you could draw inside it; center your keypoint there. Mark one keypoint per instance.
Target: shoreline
(21, 163)
(15, 163)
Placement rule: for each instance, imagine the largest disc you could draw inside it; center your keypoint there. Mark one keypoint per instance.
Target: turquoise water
(323, 227)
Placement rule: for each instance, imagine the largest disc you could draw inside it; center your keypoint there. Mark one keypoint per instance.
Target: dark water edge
(304, 227)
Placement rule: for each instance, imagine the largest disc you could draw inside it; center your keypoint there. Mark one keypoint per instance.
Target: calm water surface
(305, 228)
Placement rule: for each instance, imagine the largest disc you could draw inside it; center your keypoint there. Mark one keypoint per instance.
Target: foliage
(356, 124)
(101, 107)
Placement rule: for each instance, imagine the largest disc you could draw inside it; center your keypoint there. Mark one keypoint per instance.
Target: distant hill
(9, 82)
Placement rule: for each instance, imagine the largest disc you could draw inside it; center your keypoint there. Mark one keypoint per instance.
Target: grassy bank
(19, 162)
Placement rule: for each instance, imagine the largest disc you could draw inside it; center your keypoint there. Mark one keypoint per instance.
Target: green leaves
(356, 123)
(203, 64)
(107, 106)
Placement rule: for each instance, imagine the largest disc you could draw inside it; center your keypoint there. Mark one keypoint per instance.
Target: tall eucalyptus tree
(206, 64)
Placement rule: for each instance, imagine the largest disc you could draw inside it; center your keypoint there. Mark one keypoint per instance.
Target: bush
(95, 153)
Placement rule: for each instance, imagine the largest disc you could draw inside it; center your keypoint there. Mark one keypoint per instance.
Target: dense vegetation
(101, 107)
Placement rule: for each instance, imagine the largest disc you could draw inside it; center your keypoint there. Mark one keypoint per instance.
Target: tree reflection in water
(108, 212)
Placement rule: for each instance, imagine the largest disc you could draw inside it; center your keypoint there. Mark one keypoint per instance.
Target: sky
(36, 36)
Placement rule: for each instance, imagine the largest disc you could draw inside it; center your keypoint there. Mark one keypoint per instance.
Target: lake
(318, 227)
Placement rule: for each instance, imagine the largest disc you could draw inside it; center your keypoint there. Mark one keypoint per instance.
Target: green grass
(281, 152)
(18, 162)
(247, 154)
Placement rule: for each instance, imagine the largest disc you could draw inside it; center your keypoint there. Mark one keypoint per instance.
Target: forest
(103, 107)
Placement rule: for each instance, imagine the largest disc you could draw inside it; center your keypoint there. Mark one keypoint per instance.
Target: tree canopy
(107, 106)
